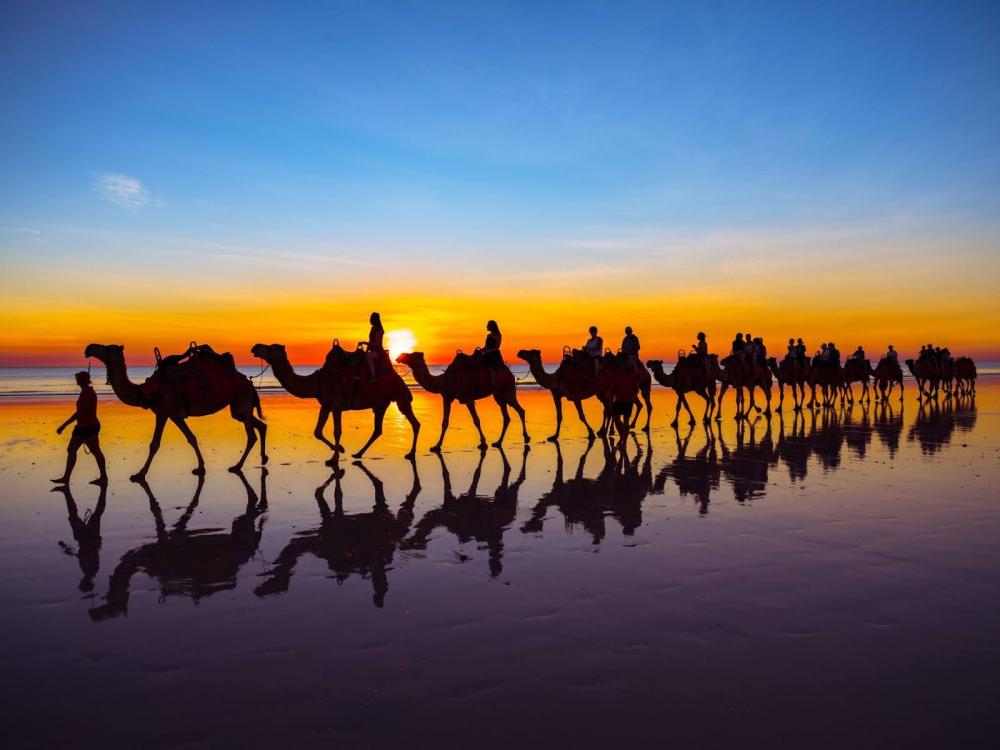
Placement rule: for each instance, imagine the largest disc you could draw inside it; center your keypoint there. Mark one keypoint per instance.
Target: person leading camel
(85, 432)
(374, 349)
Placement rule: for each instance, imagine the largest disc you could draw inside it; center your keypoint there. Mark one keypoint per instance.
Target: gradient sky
(260, 172)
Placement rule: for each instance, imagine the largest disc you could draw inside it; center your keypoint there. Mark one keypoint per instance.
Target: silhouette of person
(800, 350)
(892, 354)
(859, 354)
(737, 347)
(374, 349)
(792, 350)
(85, 432)
(630, 347)
(594, 348)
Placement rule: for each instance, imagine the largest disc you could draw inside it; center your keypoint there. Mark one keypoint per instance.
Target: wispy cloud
(123, 190)
(19, 230)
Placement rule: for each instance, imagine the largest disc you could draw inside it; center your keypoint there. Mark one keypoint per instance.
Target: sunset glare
(399, 341)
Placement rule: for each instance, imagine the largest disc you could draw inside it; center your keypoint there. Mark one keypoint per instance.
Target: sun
(400, 341)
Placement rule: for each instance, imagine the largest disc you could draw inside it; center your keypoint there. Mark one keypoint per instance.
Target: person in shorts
(85, 432)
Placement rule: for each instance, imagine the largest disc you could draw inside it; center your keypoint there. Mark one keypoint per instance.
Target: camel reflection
(888, 427)
(360, 544)
(470, 516)
(87, 533)
(194, 564)
(695, 476)
(936, 422)
(746, 466)
(617, 491)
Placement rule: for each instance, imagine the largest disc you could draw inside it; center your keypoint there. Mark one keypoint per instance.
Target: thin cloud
(20, 230)
(123, 190)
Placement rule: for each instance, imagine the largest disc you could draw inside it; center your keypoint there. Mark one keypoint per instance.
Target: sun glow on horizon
(400, 341)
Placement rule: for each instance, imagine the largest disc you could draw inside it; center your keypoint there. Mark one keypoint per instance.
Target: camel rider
(630, 347)
(373, 348)
(824, 353)
(834, 354)
(792, 350)
(945, 354)
(491, 347)
(701, 352)
(594, 348)
(761, 351)
(859, 354)
(800, 350)
(738, 346)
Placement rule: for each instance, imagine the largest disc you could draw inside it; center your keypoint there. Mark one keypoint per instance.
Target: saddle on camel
(352, 371)
(483, 370)
(183, 381)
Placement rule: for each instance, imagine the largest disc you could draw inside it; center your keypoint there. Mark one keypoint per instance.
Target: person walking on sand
(85, 432)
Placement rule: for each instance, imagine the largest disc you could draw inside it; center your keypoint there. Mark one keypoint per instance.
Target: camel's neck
(126, 391)
(663, 377)
(543, 378)
(430, 383)
(300, 386)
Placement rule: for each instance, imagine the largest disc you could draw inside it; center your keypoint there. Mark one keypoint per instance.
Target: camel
(887, 374)
(857, 371)
(571, 381)
(733, 373)
(200, 389)
(926, 374)
(828, 376)
(793, 373)
(686, 378)
(338, 388)
(965, 376)
(697, 476)
(467, 383)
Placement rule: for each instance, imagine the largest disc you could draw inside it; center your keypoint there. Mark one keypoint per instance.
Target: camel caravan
(201, 382)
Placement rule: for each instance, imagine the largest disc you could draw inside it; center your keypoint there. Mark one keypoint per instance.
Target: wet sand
(826, 580)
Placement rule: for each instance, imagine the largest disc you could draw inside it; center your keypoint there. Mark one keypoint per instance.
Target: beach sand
(826, 580)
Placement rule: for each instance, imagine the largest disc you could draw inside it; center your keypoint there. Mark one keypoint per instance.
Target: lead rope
(264, 366)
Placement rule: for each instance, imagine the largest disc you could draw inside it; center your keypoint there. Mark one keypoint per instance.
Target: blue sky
(474, 135)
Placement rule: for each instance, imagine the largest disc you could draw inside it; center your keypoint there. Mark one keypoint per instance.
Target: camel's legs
(475, 420)
(637, 406)
(251, 439)
(649, 410)
(445, 416)
(767, 399)
(557, 399)
(520, 412)
(709, 405)
(182, 426)
(718, 402)
(338, 430)
(376, 430)
(781, 396)
(677, 408)
(324, 413)
(154, 446)
(407, 410)
(261, 427)
(583, 418)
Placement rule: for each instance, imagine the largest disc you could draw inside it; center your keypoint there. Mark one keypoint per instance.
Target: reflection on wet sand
(198, 563)
(936, 422)
(617, 491)
(190, 563)
(470, 516)
(87, 533)
(360, 544)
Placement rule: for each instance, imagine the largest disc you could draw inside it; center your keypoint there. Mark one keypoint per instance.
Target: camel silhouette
(857, 371)
(466, 382)
(470, 516)
(888, 374)
(191, 563)
(733, 372)
(687, 377)
(343, 384)
(574, 381)
(698, 475)
(829, 376)
(793, 373)
(965, 376)
(360, 544)
(192, 389)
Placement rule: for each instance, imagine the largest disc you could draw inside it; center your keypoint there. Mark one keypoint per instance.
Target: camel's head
(269, 352)
(530, 355)
(656, 365)
(410, 358)
(105, 352)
